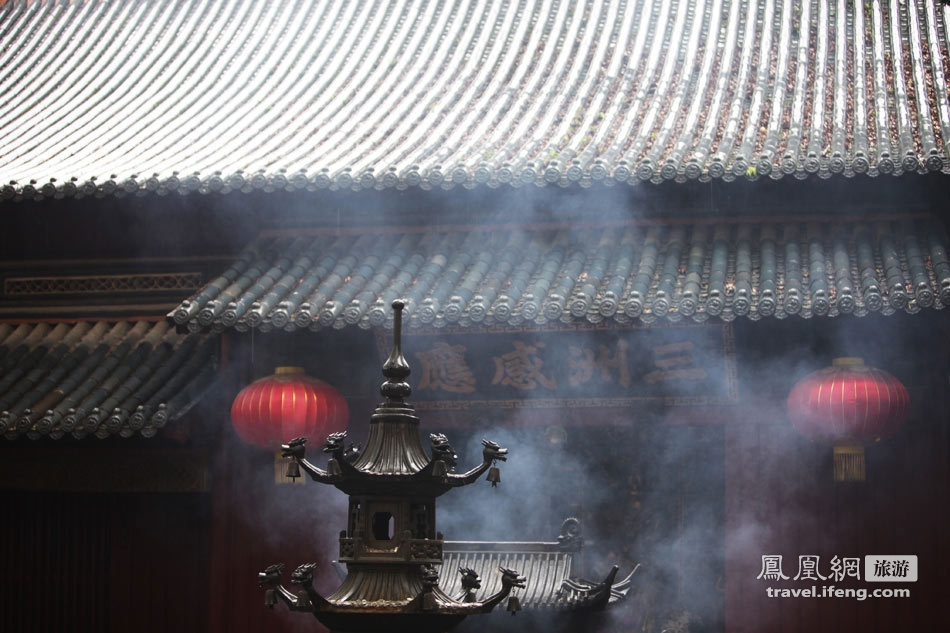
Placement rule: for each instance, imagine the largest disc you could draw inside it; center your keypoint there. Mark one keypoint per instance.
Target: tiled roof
(547, 567)
(99, 378)
(128, 97)
(509, 276)
(546, 572)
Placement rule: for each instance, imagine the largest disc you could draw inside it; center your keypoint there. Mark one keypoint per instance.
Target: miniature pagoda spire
(390, 545)
(396, 369)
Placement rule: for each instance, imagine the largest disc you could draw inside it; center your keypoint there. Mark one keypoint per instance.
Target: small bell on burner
(494, 476)
(270, 598)
(514, 605)
(293, 469)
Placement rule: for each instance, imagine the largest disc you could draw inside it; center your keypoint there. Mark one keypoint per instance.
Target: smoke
(687, 501)
(692, 503)
(647, 493)
(541, 483)
(556, 205)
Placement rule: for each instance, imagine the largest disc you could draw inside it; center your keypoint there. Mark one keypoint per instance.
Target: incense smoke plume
(649, 489)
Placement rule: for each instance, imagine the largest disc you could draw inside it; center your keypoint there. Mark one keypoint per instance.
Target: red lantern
(848, 404)
(274, 410)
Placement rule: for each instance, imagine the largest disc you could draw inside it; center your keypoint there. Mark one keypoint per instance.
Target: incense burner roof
(552, 567)
(132, 97)
(551, 572)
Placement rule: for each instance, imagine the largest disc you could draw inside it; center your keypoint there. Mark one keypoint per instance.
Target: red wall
(256, 523)
(103, 562)
(780, 499)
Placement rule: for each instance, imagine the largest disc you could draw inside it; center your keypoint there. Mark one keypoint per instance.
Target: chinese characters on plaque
(686, 365)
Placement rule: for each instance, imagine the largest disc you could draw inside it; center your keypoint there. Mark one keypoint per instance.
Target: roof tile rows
(100, 378)
(545, 570)
(622, 273)
(131, 97)
(550, 567)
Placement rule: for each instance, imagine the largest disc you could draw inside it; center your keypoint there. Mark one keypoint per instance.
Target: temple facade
(619, 234)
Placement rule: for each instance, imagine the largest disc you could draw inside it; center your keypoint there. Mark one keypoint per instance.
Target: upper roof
(103, 97)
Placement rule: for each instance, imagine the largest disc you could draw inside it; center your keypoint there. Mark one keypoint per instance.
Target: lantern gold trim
(847, 361)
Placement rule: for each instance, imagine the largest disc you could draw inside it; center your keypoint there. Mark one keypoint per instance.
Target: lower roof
(619, 273)
(549, 567)
(99, 378)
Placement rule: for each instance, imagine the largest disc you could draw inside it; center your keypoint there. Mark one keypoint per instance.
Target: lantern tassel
(849, 462)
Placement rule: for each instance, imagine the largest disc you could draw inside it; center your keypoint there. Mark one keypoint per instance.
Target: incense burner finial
(396, 369)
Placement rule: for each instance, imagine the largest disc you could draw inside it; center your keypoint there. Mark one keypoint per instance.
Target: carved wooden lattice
(101, 284)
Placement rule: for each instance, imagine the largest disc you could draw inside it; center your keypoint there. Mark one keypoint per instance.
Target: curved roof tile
(99, 378)
(131, 97)
(654, 273)
(549, 566)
